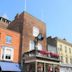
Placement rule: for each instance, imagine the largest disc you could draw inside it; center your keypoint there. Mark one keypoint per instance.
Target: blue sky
(56, 14)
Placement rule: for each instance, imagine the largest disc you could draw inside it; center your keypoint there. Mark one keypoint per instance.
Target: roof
(59, 39)
(63, 41)
(10, 31)
(29, 15)
(4, 19)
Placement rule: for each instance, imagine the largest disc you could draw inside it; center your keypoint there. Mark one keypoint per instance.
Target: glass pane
(8, 39)
(31, 45)
(39, 46)
(29, 67)
(40, 67)
(35, 31)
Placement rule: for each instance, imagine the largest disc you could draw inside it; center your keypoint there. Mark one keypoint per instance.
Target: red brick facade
(15, 43)
(23, 24)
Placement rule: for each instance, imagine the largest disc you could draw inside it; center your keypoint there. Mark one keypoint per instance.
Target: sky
(56, 14)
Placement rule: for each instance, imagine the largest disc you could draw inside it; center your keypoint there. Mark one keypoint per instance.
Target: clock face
(35, 31)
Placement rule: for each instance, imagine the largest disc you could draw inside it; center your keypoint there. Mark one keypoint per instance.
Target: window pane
(66, 59)
(31, 45)
(69, 50)
(29, 67)
(65, 49)
(8, 39)
(39, 46)
(60, 47)
(8, 57)
(35, 31)
(40, 67)
(7, 53)
(61, 58)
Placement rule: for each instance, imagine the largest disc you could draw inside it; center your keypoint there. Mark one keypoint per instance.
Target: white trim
(66, 65)
(1, 54)
(42, 61)
(35, 31)
(31, 45)
(12, 53)
(39, 46)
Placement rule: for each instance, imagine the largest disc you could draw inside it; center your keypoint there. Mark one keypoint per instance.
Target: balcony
(41, 54)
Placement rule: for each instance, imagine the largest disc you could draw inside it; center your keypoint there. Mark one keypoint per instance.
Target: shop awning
(7, 66)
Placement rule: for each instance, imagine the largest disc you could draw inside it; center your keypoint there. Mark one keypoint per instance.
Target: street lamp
(40, 37)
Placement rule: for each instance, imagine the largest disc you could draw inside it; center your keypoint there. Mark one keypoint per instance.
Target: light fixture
(40, 37)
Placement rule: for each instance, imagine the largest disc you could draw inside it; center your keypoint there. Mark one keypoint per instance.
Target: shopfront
(65, 68)
(40, 61)
(41, 66)
(9, 67)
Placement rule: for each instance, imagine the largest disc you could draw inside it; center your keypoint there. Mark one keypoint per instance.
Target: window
(66, 59)
(35, 31)
(61, 58)
(31, 45)
(52, 49)
(8, 39)
(40, 67)
(39, 46)
(7, 53)
(30, 67)
(71, 60)
(69, 50)
(60, 47)
(65, 49)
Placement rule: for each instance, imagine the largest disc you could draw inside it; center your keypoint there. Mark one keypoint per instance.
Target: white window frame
(31, 45)
(35, 31)
(7, 40)
(39, 46)
(4, 52)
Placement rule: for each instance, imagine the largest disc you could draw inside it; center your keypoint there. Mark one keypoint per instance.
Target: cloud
(5, 16)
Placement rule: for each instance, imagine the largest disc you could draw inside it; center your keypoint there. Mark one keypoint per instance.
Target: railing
(41, 53)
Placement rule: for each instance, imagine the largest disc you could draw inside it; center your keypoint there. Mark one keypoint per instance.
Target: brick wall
(14, 44)
(23, 24)
(3, 24)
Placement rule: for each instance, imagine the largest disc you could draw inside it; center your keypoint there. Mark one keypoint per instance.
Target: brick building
(4, 22)
(24, 24)
(64, 49)
(9, 50)
(33, 52)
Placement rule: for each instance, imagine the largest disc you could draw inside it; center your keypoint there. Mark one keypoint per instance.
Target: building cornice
(64, 41)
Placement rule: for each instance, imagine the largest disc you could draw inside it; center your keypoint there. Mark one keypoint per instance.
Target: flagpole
(41, 14)
(25, 6)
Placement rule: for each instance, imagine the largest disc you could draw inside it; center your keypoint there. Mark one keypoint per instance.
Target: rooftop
(5, 20)
(61, 40)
